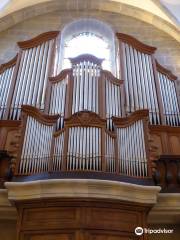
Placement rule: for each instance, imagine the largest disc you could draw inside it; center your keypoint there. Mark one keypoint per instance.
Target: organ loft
(87, 145)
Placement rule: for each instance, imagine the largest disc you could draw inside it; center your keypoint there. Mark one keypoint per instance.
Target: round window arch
(87, 36)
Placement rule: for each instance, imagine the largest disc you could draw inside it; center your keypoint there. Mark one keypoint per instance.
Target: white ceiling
(173, 6)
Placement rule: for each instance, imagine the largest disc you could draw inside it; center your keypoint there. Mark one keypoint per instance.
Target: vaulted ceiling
(166, 10)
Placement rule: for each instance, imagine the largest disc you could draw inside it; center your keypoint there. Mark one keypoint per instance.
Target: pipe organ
(6, 76)
(84, 144)
(30, 82)
(58, 95)
(85, 119)
(86, 73)
(133, 156)
(36, 143)
(110, 145)
(138, 72)
(171, 108)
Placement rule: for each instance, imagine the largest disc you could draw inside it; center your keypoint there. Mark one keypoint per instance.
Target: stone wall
(168, 52)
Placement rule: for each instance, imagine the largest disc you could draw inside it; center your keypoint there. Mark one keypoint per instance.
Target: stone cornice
(7, 211)
(167, 209)
(82, 188)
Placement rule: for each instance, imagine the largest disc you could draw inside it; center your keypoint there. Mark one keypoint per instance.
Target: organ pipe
(32, 75)
(6, 77)
(138, 71)
(168, 92)
(83, 95)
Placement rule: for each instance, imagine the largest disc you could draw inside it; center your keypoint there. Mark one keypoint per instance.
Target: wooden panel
(158, 143)
(52, 236)
(75, 219)
(166, 139)
(98, 236)
(175, 144)
(51, 218)
(124, 220)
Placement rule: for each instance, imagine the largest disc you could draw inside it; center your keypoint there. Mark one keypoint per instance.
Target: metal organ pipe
(5, 82)
(85, 90)
(57, 100)
(110, 153)
(32, 78)
(84, 149)
(140, 83)
(113, 101)
(35, 154)
(169, 99)
(132, 154)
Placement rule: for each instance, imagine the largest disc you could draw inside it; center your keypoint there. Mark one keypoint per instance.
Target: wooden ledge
(38, 115)
(165, 71)
(82, 188)
(138, 115)
(10, 123)
(34, 42)
(86, 58)
(110, 133)
(164, 128)
(85, 119)
(11, 63)
(61, 76)
(112, 78)
(136, 43)
(59, 132)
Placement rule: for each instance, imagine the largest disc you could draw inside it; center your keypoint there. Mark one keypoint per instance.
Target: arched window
(87, 43)
(87, 36)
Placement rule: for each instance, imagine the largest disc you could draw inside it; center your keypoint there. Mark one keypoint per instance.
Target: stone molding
(7, 211)
(82, 188)
(167, 209)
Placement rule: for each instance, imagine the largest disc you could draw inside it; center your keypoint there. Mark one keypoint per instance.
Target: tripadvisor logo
(140, 231)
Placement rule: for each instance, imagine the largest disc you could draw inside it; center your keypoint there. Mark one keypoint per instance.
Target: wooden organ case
(85, 124)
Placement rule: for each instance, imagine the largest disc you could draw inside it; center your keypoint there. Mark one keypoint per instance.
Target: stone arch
(116, 7)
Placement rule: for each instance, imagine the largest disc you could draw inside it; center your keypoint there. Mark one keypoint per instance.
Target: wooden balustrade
(5, 169)
(171, 107)
(166, 173)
